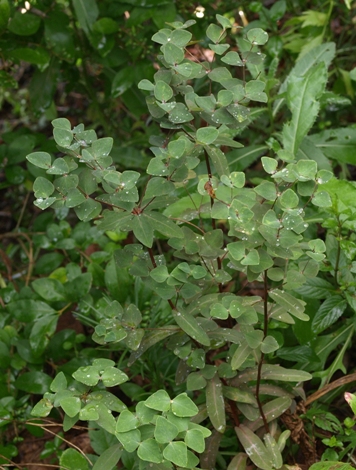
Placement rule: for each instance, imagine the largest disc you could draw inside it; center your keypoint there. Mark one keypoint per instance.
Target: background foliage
(211, 334)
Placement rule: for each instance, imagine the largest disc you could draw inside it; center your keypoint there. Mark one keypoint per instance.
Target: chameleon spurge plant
(202, 240)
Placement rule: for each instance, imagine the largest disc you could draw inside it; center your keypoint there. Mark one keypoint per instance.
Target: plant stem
(259, 369)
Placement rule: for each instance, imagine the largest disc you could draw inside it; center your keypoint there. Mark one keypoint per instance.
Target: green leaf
(215, 33)
(37, 56)
(291, 304)
(4, 14)
(146, 85)
(254, 448)
(275, 372)
(143, 229)
(257, 36)
(33, 382)
(88, 210)
(176, 452)
(127, 421)
(59, 167)
(240, 355)
(24, 24)
(272, 446)
(269, 345)
(42, 330)
(180, 114)
(180, 37)
(130, 439)
(251, 259)
(71, 405)
(216, 404)
(49, 289)
(331, 465)
(59, 383)
(42, 408)
(183, 406)
(316, 288)
(71, 459)
(207, 135)
(272, 410)
(254, 91)
(159, 401)
(329, 312)
(163, 224)
(172, 54)
(232, 58)
(289, 199)
(267, 190)
(122, 81)
(160, 273)
(42, 188)
(165, 431)
(150, 451)
(219, 160)
(254, 338)
(337, 144)
(194, 439)
(302, 95)
(63, 137)
(189, 325)
(40, 159)
(322, 199)
(87, 13)
(113, 376)
(269, 165)
(109, 458)
(162, 91)
(88, 375)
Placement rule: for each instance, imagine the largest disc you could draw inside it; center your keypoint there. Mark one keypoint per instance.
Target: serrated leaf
(329, 312)
(302, 95)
